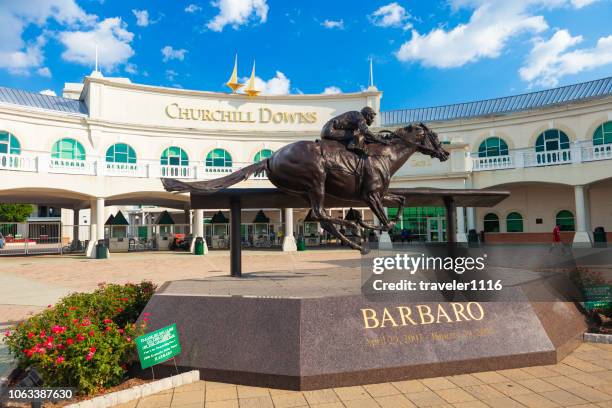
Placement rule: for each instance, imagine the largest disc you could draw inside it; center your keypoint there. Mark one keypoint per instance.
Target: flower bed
(86, 340)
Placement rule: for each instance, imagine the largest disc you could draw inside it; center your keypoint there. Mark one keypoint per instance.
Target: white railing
(17, 162)
(125, 169)
(176, 171)
(72, 166)
(597, 152)
(220, 169)
(492, 163)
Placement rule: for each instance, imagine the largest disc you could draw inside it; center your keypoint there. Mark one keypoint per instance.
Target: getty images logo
(412, 264)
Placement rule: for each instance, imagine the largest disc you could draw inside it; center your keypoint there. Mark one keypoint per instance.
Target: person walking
(556, 240)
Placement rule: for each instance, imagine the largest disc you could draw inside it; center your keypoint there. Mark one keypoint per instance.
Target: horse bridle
(428, 136)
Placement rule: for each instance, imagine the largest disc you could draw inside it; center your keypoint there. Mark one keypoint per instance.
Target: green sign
(597, 297)
(158, 346)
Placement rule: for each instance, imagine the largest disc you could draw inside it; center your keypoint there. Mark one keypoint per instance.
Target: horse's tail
(211, 186)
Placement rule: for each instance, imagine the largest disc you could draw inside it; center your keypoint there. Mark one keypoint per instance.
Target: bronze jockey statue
(352, 127)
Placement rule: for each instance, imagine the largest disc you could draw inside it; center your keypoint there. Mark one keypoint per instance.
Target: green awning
(261, 218)
(120, 220)
(219, 218)
(110, 220)
(352, 215)
(165, 219)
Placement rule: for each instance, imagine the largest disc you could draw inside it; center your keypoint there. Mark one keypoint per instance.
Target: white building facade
(107, 142)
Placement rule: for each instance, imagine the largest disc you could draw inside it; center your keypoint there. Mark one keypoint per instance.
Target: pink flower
(59, 360)
(107, 321)
(129, 339)
(92, 349)
(58, 329)
(89, 356)
(48, 306)
(146, 320)
(69, 341)
(91, 333)
(72, 308)
(7, 333)
(147, 314)
(80, 337)
(30, 335)
(120, 331)
(108, 328)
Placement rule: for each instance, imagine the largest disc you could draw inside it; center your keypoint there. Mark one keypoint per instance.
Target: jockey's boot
(358, 146)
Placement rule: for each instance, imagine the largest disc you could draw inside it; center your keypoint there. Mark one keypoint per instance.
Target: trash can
(301, 245)
(599, 237)
(101, 250)
(472, 238)
(199, 246)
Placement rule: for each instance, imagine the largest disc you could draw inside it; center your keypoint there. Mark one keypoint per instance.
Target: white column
(93, 228)
(582, 234)
(471, 218)
(100, 218)
(288, 238)
(384, 241)
(198, 229)
(461, 235)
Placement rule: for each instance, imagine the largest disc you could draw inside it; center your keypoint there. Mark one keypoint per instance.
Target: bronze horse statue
(313, 169)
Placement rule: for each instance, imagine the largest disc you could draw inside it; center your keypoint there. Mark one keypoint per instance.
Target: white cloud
(170, 53)
(44, 71)
(332, 90)
(192, 8)
(20, 56)
(278, 85)
(171, 75)
(142, 17)
(582, 3)
(111, 36)
(237, 12)
(339, 24)
(490, 27)
(131, 68)
(48, 92)
(391, 15)
(550, 60)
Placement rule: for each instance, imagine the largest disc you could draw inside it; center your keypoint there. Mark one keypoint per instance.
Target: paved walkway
(583, 379)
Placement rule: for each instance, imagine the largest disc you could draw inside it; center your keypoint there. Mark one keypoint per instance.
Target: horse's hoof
(365, 250)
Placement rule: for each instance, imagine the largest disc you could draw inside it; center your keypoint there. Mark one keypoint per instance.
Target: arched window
(174, 156)
(565, 220)
(121, 153)
(263, 154)
(603, 134)
(491, 223)
(493, 146)
(549, 143)
(218, 158)
(68, 148)
(9, 144)
(514, 222)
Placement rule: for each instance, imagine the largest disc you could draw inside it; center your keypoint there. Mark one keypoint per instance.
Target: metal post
(235, 238)
(451, 217)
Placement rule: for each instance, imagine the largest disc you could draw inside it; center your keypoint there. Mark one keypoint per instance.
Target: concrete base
(90, 252)
(312, 330)
(192, 247)
(289, 244)
(384, 240)
(582, 237)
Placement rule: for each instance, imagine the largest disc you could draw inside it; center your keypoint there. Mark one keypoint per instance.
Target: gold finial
(250, 86)
(233, 81)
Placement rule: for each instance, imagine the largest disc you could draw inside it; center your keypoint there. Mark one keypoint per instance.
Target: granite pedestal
(314, 329)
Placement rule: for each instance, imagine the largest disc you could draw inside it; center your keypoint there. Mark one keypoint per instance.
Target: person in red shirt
(556, 241)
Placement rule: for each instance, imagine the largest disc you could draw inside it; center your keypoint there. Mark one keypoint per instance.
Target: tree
(15, 212)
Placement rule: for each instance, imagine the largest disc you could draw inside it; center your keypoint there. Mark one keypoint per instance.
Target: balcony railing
(72, 166)
(519, 158)
(17, 162)
(125, 170)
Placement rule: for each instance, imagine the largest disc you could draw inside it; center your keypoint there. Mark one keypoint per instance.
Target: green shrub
(84, 341)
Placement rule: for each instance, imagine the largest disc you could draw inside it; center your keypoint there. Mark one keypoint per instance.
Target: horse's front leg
(401, 201)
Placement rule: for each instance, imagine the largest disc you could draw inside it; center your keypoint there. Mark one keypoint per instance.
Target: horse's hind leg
(316, 199)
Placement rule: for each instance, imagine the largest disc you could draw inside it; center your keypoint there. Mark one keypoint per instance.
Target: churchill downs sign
(261, 115)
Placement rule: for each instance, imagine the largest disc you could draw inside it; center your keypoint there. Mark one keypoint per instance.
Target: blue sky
(425, 53)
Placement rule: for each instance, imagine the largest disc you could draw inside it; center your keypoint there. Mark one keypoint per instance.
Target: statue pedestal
(384, 240)
(314, 329)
